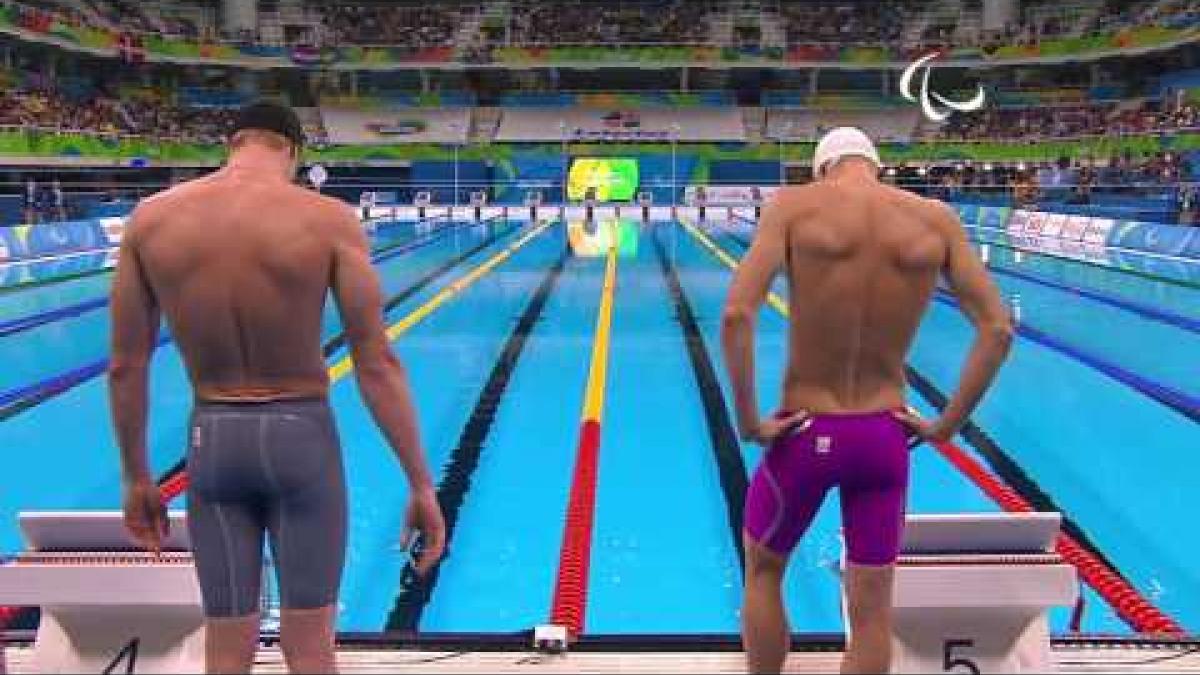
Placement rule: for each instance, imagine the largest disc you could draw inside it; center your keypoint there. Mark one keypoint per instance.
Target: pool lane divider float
(727, 449)
(569, 605)
(1181, 402)
(174, 482)
(414, 592)
(16, 401)
(1110, 267)
(1128, 603)
(1142, 310)
(1025, 496)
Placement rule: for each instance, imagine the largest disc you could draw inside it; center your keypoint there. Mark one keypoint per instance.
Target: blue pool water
(1095, 407)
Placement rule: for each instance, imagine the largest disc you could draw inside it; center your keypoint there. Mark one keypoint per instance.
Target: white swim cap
(843, 142)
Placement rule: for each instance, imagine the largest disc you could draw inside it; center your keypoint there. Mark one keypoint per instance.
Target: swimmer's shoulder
(794, 200)
(941, 217)
(328, 217)
(152, 212)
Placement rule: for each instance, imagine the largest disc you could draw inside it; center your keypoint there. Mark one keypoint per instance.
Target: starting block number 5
(953, 663)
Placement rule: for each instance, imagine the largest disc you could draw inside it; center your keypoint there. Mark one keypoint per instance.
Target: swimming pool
(1095, 415)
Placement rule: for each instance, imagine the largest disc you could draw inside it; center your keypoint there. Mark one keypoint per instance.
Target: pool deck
(1126, 659)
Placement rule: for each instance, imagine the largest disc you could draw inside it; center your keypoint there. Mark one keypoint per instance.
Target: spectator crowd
(417, 26)
(1095, 119)
(412, 27)
(621, 21)
(46, 109)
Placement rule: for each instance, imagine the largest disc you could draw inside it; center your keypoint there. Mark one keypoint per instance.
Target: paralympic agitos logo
(927, 98)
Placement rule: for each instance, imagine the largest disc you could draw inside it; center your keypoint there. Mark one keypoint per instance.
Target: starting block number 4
(126, 657)
(120, 643)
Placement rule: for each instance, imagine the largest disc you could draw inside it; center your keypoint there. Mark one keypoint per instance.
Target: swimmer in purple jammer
(862, 261)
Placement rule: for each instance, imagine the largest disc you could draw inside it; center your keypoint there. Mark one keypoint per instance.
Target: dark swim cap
(270, 116)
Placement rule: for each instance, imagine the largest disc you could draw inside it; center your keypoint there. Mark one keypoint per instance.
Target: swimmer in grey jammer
(862, 261)
(240, 263)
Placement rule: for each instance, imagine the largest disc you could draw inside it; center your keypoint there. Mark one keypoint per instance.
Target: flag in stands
(131, 49)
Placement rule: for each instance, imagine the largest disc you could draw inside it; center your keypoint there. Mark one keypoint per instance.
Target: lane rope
(569, 605)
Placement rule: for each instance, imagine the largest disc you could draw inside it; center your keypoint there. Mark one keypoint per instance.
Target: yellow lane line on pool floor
(773, 299)
(593, 408)
(343, 366)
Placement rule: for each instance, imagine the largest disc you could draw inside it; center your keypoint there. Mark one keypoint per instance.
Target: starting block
(973, 592)
(106, 606)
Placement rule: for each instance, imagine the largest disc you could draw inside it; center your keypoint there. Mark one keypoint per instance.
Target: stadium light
(456, 128)
(786, 133)
(562, 135)
(675, 131)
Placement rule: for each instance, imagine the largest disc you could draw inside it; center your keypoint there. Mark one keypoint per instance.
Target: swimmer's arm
(981, 303)
(751, 283)
(381, 377)
(135, 323)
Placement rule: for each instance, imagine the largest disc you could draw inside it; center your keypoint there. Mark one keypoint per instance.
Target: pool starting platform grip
(973, 592)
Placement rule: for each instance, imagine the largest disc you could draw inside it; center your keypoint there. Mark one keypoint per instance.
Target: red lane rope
(1133, 608)
(574, 562)
(173, 487)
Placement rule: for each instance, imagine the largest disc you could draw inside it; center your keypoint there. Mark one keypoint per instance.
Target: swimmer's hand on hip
(922, 430)
(146, 515)
(767, 431)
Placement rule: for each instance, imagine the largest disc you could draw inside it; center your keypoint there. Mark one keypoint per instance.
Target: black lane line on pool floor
(1003, 464)
(414, 593)
(339, 340)
(61, 384)
(727, 450)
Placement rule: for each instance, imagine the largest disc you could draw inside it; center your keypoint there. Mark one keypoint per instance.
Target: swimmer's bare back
(240, 266)
(863, 260)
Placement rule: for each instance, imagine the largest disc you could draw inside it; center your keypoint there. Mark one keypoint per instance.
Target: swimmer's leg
(230, 644)
(782, 501)
(308, 639)
(869, 607)
(307, 527)
(227, 525)
(765, 630)
(227, 546)
(873, 506)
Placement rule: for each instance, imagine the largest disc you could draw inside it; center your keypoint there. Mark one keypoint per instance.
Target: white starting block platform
(106, 606)
(973, 592)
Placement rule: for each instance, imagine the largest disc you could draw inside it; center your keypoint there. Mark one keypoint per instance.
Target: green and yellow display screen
(614, 179)
(594, 240)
